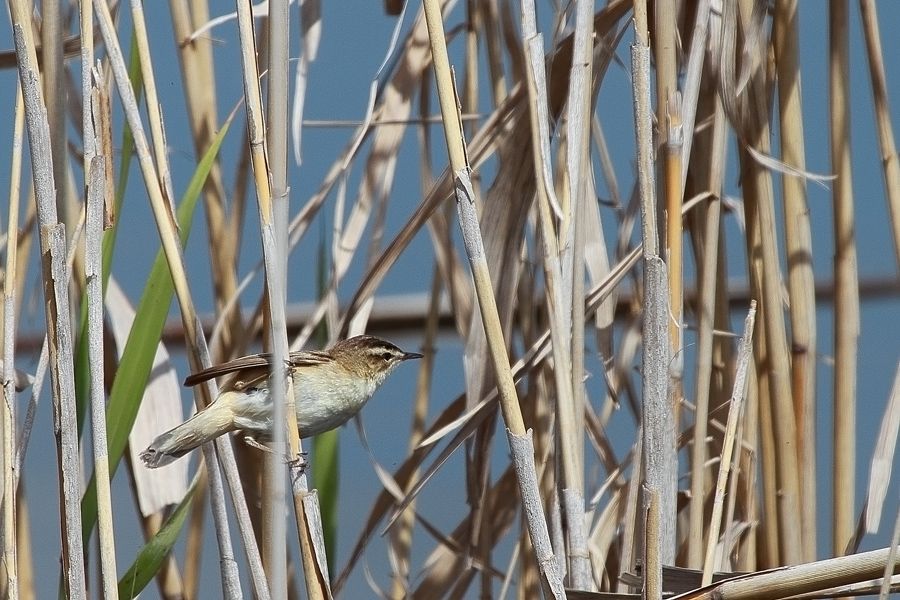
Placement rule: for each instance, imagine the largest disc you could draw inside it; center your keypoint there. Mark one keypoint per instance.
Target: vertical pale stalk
(271, 213)
(153, 107)
(799, 252)
(658, 423)
(198, 82)
(745, 355)
(470, 85)
(494, 56)
(56, 303)
(652, 567)
(520, 440)
(194, 543)
(768, 549)
(762, 252)
(96, 191)
(53, 79)
(694, 71)
(674, 246)
(402, 532)
(95, 178)
(195, 341)
(713, 146)
(273, 220)
(846, 293)
(749, 494)
(571, 413)
(8, 517)
(665, 61)
(705, 323)
(882, 116)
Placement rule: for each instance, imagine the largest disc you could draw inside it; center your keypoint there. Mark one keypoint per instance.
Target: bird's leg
(254, 443)
(296, 461)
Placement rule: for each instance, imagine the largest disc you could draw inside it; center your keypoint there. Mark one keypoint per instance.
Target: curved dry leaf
(160, 410)
(882, 465)
(259, 10)
(773, 164)
(311, 34)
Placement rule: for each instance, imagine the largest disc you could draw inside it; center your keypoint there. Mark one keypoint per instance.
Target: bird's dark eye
(387, 356)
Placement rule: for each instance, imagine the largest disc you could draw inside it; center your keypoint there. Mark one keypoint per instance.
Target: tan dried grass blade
(161, 409)
(882, 465)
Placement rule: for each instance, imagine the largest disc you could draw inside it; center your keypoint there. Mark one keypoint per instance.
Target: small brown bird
(330, 387)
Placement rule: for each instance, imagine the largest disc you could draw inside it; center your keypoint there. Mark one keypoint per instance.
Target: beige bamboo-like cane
(765, 272)
(274, 225)
(315, 577)
(658, 423)
(199, 355)
(846, 293)
(56, 304)
(520, 441)
(8, 516)
(402, 533)
(799, 253)
(223, 229)
(889, 159)
(96, 179)
(571, 407)
(745, 355)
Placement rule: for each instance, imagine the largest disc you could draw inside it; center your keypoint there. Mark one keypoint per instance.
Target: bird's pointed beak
(411, 355)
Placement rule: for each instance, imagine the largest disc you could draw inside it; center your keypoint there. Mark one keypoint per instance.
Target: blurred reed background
(676, 270)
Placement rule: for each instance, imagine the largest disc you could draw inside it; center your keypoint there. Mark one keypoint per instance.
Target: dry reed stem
(153, 105)
(846, 300)
(705, 322)
(571, 406)
(658, 423)
(629, 554)
(798, 579)
(881, 469)
(453, 417)
(891, 562)
(674, 251)
(402, 534)
(891, 167)
(10, 584)
(520, 442)
(564, 373)
(270, 218)
(692, 81)
(199, 354)
(734, 411)
(769, 551)
(273, 144)
(652, 567)
(53, 82)
(56, 302)
(198, 82)
(668, 191)
(763, 255)
(96, 188)
(194, 537)
(799, 253)
(96, 192)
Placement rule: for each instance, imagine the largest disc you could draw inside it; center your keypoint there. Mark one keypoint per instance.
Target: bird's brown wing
(255, 367)
(253, 361)
(309, 358)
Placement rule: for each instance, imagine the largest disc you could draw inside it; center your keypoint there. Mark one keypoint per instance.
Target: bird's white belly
(320, 406)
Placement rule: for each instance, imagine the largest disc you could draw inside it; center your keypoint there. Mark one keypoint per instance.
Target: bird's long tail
(206, 425)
